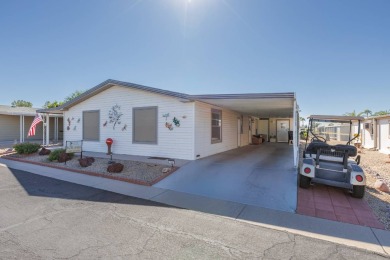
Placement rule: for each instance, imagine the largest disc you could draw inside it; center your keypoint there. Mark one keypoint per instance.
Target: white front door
(282, 128)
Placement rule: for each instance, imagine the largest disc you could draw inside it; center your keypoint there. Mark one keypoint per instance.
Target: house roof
(272, 105)
(378, 117)
(17, 111)
(106, 85)
(336, 118)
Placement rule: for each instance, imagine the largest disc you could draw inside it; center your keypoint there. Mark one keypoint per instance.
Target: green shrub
(53, 156)
(27, 148)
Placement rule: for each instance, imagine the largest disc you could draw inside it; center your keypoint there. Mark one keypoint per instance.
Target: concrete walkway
(259, 175)
(352, 235)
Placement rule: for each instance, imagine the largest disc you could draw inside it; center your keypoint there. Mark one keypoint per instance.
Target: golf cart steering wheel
(318, 138)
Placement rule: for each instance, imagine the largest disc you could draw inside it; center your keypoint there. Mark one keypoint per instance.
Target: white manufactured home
(154, 122)
(376, 133)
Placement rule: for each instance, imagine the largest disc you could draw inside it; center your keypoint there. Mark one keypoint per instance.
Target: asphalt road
(44, 218)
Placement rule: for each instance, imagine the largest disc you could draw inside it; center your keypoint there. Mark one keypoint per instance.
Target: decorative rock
(115, 168)
(165, 170)
(44, 151)
(84, 162)
(63, 157)
(380, 185)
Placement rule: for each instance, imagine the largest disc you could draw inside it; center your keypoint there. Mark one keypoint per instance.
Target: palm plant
(366, 112)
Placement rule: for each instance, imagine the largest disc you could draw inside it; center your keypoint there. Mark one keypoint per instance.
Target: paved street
(46, 218)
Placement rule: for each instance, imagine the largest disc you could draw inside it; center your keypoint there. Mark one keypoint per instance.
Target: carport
(262, 175)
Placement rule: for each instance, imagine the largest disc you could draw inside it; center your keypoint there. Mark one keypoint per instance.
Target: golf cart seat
(313, 147)
(352, 150)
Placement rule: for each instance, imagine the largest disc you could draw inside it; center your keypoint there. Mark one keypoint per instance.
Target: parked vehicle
(327, 158)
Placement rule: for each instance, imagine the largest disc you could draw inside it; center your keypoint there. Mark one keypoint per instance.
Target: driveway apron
(260, 175)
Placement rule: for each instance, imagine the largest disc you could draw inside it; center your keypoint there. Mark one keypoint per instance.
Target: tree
(53, 104)
(21, 103)
(366, 112)
(73, 95)
(382, 113)
(302, 120)
(353, 113)
(56, 103)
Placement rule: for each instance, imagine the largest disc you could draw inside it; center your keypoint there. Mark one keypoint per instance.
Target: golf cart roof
(336, 118)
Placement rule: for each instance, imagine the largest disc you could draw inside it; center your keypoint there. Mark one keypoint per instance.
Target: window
(145, 125)
(216, 126)
(91, 124)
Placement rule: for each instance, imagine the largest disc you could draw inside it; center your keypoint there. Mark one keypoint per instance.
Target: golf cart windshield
(333, 130)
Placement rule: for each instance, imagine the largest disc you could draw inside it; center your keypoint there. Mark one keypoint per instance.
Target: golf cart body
(329, 157)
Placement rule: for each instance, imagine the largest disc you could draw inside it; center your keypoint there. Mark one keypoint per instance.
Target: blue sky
(334, 54)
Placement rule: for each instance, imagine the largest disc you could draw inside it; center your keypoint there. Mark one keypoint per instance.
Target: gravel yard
(377, 166)
(133, 170)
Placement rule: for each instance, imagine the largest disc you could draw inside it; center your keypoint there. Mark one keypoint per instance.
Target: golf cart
(327, 158)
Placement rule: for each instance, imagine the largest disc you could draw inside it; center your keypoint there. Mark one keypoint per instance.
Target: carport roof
(17, 111)
(263, 105)
(254, 104)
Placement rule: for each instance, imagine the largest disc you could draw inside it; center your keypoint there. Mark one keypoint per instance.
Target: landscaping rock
(90, 159)
(166, 170)
(84, 162)
(380, 185)
(44, 151)
(115, 168)
(63, 157)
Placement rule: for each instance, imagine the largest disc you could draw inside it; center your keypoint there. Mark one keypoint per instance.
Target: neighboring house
(154, 122)
(376, 133)
(16, 121)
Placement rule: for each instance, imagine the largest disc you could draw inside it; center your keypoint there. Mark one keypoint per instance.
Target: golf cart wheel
(358, 191)
(304, 182)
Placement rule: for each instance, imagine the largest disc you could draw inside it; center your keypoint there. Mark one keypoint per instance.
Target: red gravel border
(129, 180)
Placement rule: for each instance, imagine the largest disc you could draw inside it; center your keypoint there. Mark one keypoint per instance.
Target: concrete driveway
(260, 175)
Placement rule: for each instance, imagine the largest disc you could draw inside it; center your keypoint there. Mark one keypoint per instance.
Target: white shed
(376, 133)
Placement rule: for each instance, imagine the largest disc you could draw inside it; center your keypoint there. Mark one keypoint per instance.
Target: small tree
(56, 103)
(353, 113)
(53, 104)
(73, 95)
(21, 103)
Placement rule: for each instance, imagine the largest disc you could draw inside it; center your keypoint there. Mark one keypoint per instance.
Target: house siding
(203, 145)
(9, 128)
(176, 143)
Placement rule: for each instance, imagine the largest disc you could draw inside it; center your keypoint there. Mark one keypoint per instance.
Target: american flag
(36, 121)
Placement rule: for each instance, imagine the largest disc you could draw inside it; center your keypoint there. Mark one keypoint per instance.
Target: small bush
(27, 148)
(54, 155)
